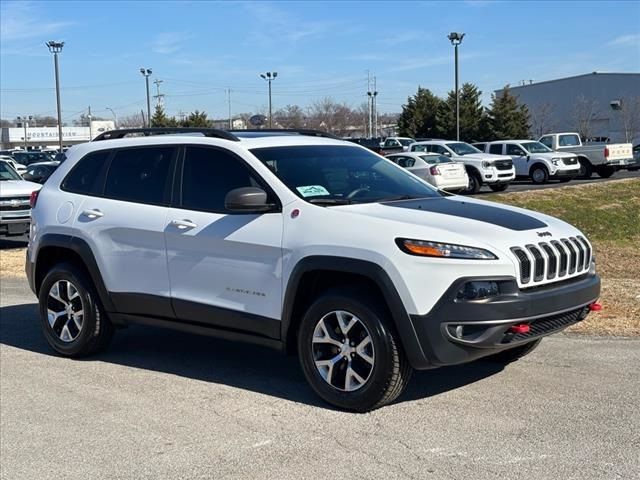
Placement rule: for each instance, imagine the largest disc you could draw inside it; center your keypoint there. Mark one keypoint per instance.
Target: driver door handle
(183, 224)
(93, 214)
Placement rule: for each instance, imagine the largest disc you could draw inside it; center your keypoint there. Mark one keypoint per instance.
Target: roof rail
(293, 131)
(207, 132)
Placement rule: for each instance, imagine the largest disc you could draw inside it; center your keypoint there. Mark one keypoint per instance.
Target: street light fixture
(146, 72)
(456, 39)
(25, 125)
(269, 77)
(115, 117)
(56, 48)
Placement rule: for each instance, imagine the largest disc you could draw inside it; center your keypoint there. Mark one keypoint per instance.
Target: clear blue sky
(319, 49)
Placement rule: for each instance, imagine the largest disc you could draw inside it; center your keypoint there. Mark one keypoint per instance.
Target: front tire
(586, 169)
(474, 184)
(73, 322)
(350, 353)
(539, 175)
(499, 188)
(508, 356)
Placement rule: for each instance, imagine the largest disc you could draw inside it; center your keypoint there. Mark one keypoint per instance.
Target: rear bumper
(461, 331)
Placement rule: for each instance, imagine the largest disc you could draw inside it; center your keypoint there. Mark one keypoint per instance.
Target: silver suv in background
(15, 195)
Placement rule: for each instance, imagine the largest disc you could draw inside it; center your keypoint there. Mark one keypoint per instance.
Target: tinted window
(420, 148)
(8, 173)
(140, 175)
(496, 149)
(514, 150)
(336, 174)
(568, 141)
(87, 177)
(546, 141)
(208, 175)
(437, 149)
(436, 159)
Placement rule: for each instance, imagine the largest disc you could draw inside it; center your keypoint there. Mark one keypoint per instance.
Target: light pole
(56, 48)
(269, 77)
(456, 39)
(115, 117)
(23, 120)
(146, 72)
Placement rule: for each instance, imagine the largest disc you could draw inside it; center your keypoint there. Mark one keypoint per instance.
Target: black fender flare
(471, 170)
(373, 272)
(537, 164)
(83, 250)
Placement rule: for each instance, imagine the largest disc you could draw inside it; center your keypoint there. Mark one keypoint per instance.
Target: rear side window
(208, 175)
(547, 141)
(496, 149)
(87, 177)
(141, 175)
(568, 141)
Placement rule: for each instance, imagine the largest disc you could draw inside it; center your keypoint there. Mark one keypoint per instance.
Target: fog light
(478, 290)
(459, 331)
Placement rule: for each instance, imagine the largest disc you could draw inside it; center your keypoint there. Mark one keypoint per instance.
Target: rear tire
(605, 172)
(369, 370)
(586, 170)
(73, 321)
(499, 188)
(507, 356)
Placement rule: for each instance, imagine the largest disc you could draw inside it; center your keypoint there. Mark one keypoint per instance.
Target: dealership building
(47, 137)
(598, 105)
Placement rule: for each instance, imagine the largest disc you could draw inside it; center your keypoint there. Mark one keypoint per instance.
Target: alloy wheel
(343, 351)
(65, 310)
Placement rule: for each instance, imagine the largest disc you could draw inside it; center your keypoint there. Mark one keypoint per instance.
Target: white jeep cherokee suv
(300, 242)
(496, 171)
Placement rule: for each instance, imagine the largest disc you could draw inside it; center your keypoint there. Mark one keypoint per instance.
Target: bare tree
(291, 116)
(630, 116)
(328, 115)
(584, 112)
(131, 121)
(541, 118)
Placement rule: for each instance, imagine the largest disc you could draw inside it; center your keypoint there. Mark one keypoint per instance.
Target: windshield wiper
(330, 201)
(399, 197)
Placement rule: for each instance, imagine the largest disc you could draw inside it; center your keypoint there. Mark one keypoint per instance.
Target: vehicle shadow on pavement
(208, 359)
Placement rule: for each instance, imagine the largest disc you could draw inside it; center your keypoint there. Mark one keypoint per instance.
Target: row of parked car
(558, 156)
(21, 173)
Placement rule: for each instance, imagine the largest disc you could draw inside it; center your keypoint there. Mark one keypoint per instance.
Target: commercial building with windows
(597, 105)
(30, 138)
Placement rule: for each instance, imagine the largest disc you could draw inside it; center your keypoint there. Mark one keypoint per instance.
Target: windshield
(436, 159)
(335, 174)
(8, 173)
(463, 148)
(405, 142)
(535, 147)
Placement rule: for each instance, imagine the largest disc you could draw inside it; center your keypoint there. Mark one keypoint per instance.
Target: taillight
(434, 171)
(33, 199)
(606, 152)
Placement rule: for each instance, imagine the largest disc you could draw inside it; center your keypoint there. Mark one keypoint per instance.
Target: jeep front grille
(552, 261)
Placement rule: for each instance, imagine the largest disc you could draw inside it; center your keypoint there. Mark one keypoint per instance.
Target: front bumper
(486, 324)
(565, 174)
(14, 225)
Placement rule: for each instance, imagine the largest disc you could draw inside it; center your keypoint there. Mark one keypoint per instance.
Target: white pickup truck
(603, 158)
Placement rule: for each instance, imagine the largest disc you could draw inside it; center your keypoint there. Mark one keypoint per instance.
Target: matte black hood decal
(473, 211)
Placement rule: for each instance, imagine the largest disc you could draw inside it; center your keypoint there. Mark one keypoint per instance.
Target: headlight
(423, 248)
(592, 267)
(486, 164)
(555, 161)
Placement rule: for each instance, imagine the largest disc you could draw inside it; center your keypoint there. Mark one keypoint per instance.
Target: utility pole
(369, 106)
(90, 127)
(269, 77)
(115, 117)
(56, 48)
(25, 125)
(181, 115)
(159, 96)
(456, 39)
(146, 72)
(229, 103)
(375, 108)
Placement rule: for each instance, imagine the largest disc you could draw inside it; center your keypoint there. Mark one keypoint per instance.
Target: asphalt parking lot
(160, 404)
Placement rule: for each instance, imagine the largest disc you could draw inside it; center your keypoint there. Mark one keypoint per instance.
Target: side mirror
(448, 154)
(247, 199)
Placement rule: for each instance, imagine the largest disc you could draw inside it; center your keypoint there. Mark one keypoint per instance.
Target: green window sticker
(312, 191)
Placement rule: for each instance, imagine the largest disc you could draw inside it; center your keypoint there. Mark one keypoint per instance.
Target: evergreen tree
(418, 117)
(471, 114)
(508, 119)
(160, 119)
(196, 119)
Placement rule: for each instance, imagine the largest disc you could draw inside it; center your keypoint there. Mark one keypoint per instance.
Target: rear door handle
(183, 224)
(95, 213)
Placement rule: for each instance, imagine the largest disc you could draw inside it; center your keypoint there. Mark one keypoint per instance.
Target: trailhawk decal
(473, 211)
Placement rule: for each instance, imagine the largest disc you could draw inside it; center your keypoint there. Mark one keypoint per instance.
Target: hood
(489, 157)
(466, 221)
(13, 188)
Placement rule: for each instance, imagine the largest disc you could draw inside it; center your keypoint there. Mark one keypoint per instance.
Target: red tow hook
(521, 328)
(595, 307)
